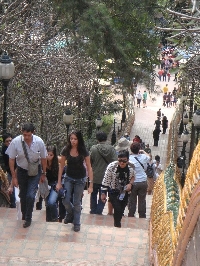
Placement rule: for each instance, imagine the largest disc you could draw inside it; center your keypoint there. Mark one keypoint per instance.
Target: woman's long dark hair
(54, 165)
(81, 144)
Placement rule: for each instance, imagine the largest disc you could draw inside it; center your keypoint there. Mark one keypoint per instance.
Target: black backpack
(150, 171)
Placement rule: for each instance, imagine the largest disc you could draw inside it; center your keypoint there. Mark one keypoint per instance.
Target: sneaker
(77, 228)
(69, 218)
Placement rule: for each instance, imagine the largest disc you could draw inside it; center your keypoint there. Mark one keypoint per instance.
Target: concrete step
(98, 242)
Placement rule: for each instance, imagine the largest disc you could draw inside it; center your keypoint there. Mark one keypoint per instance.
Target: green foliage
(113, 30)
(188, 41)
(107, 123)
(106, 127)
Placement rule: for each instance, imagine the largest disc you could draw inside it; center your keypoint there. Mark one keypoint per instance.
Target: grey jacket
(101, 155)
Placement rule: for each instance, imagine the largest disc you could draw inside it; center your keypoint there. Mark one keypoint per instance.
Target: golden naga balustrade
(4, 189)
(173, 217)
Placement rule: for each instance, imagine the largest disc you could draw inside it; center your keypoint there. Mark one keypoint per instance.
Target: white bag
(18, 204)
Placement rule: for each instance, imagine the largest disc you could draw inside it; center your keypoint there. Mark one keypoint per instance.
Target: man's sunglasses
(122, 161)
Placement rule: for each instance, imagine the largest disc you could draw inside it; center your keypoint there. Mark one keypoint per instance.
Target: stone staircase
(98, 242)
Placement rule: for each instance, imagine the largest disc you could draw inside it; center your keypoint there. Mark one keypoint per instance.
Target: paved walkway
(145, 118)
(98, 242)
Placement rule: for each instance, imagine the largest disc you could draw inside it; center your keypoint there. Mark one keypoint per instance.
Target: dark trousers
(139, 191)
(12, 195)
(61, 209)
(96, 204)
(138, 102)
(118, 206)
(155, 142)
(39, 203)
(28, 186)
(12, 199)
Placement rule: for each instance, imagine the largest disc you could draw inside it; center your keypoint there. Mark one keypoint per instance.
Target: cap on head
(123, 144)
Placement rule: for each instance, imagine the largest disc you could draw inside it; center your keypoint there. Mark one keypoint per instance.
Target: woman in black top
(77, 161)
(52, 177)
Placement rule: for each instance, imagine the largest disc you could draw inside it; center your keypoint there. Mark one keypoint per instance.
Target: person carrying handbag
(28, 184)
(139, 190)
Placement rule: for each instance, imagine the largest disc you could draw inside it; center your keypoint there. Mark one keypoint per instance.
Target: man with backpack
(101, 155)
(139, 189)
(150, 172)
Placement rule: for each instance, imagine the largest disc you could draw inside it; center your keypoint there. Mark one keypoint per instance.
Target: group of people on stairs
(117, 173)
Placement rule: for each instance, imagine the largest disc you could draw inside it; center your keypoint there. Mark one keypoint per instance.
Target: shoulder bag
(32, 166)
(139, 162)
(102, 156)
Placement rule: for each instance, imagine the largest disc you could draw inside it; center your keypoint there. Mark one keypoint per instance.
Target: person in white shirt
(139, 98)
(139, 190)
(28, 185)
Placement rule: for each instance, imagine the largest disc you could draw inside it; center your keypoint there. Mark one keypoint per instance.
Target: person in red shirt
(136, 139)
(160, 73)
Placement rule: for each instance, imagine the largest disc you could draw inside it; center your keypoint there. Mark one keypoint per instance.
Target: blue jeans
(52, 206)
(96, 205)
(77, 187)
(28, 186)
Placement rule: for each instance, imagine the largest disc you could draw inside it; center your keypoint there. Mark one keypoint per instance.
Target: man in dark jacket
(158, 122)
(100, 155)
(156, 134)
